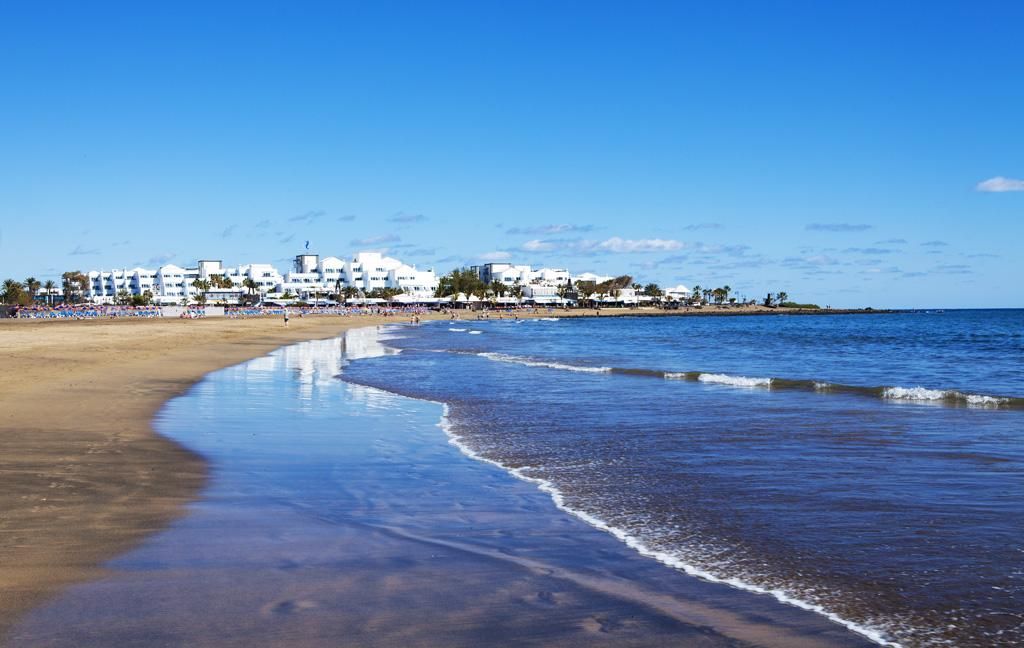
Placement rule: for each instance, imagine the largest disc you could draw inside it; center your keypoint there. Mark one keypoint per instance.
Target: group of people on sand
(85, 311)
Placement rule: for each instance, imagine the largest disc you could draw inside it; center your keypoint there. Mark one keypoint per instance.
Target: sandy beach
(83, 476)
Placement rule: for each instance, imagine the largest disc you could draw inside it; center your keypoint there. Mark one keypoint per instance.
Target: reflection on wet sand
(338, 515)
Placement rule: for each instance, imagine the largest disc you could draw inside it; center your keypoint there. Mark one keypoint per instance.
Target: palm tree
(203, 286)
(725, 292)
(49, 286)
(250, 284)
(13, 291)
(32, 285)
(782, 297)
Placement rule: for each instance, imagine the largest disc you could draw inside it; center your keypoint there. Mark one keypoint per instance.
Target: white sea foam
(984, 401)
(550, 319)
(457, 330)
(680, 375)
(475, 332)
(914, 394)
(734, 381)
(502, 357)
(921, 394)
(642, 548)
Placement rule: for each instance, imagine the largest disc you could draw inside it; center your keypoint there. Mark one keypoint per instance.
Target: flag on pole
(307, 245)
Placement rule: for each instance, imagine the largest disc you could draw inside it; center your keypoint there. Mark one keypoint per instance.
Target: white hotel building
(310, 277)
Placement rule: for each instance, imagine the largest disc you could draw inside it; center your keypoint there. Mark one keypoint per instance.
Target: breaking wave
(901, 394)
(527, 362)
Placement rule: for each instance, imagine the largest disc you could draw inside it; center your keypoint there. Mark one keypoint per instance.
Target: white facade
(310, 278)
(524, 275)
(677, 293)
(590, 276)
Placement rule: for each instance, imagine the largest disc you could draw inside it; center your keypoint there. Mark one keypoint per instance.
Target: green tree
(498, 288)
(203, 286)
(74, 284)
(145, 299)
(49, 286)
(14, 292)
(782, 297)
(461, 280)
(32, 285)
(516, 291)
(653, 290)
(251, 286)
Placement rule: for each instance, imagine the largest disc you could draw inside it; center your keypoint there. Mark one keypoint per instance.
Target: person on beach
(286, 317)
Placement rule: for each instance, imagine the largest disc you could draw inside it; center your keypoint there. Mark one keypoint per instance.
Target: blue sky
(837, 151)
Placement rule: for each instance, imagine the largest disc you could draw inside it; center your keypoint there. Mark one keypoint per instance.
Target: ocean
(867, 467)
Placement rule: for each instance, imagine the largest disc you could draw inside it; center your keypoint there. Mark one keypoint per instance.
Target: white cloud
(377, 240)
(616, 244)
(495, 256)
(536, 245)
(1000, 184)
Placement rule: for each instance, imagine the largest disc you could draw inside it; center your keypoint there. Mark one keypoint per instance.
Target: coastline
(84, 477)
(269, 556)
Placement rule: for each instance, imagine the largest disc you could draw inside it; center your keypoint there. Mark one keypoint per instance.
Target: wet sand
(338, 515)
(83, 476)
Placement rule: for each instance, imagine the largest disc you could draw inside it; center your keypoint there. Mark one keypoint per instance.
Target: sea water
(867, 467)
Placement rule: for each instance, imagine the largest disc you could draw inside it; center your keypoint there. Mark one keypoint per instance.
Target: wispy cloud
(402, 217)
(562, 228)
(81, 251)
(837, 227)
(537, 245)
(161, 259)
(377, 240)
(703, 226)
(954, 268)
(497, 255)
(287, 239)
(621, 245)
(934, 244)
(228, 231)
(615, 244)
(422, 252)
(263, 224)
(121, 243)
(867, 250)
(308, 217)
(892, 241)
(811, 262)
(347, 218)
(999, 184)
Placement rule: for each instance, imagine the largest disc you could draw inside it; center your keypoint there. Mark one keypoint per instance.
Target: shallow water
(871, 466)
(339, 514)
